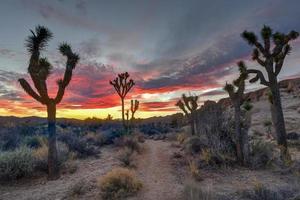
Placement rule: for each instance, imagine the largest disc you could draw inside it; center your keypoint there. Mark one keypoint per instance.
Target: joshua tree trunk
(272, 108)
(53, 169)
(192, 120)
(123, 113)
(279, 118)
(238, 132)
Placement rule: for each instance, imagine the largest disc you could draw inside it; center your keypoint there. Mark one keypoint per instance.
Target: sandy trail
(155, 170)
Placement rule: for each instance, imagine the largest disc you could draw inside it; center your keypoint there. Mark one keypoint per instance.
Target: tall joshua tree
(236, 93)
(39, 69)
(189, 106)
(122, 86)
(271, 57)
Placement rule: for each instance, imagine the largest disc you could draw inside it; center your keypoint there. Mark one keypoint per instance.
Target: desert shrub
(181, 137)
(95, 138)
(194, 170)
(128, 141)
(216, 128)
(41, 156)
(79, 188)
(261, 154)
(261, 192)
(16, 164)
(193, 145)
(139, 136)
(9, 140)
(78, 145)
(112, 134)
(210, 158)
(126, 157)
(69, 167)
(193, 191)
(33, 141)
(118, 184)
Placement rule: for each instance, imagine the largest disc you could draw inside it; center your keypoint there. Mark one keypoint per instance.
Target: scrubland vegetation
(219, 150)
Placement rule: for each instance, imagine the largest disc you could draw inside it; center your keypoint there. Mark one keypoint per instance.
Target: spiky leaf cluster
(40, 68)
(38, 39)
(237, 88)
(122, 85)
(265, 55)
(188, 104)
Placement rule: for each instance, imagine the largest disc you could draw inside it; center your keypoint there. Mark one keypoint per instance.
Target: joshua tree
(271, 57)
(39, 70)
(122, 86)
(189, 106)
(134, 107)
(109, 117)
(236, 93)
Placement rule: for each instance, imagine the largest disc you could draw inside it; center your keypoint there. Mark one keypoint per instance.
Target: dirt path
(41, 189)
(155, 170)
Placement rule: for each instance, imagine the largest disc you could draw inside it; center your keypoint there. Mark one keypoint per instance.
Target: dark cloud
(8, 84)
(90, 49)
(81, 6)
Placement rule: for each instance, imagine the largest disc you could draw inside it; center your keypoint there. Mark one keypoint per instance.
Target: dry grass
(194, 170)
(126, 157)
(193, 191)
(118, 184)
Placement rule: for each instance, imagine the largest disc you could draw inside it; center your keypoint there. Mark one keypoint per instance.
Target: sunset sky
(169, 47)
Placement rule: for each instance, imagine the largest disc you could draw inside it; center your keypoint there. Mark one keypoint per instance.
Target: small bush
(9, 140)
(33, 142)
(95, 139)
(129, 142)
(192, 191)
(126, 157)
(260, 192)
(194, 170)
(79, 145)
(193, 145)
(181, 137)
(119, 184)
(69, 167)
(41, 156)
(262, 154)
(77, 189)
(16, 164)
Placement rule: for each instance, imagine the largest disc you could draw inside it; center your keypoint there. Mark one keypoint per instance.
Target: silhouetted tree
(109, 117)
(236, 93)
(189, 106)
(122, 85)
(39, 70)
(271, 57)
(134, 107)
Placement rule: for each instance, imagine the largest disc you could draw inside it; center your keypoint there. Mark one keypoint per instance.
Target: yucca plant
(39, 70)
(236, 93)
(122, 86)
(271, 57)
(189, 106)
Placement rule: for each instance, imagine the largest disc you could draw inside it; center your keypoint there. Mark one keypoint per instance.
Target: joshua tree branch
(259, 76)
(72, 60)
(28, 89)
